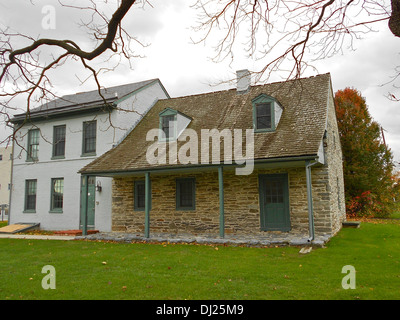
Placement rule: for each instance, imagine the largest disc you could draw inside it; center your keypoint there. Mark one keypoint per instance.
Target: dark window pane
(140, 195)
(57, 193)
(91, 180)
(185, 193)
(89, 137)
(59, 141)
(263, 114)
(33, 144)
(274, 192)
(30, 194)
(168, 126)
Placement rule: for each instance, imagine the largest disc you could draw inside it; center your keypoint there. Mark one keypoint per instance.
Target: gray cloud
(185, 68)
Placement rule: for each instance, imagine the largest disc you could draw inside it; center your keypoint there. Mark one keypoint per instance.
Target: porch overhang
(285, 162)
(270, 163)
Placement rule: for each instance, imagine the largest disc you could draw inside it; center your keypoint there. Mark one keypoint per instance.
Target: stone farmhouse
(253, 160)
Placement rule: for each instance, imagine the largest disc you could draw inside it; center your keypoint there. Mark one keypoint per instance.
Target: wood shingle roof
(299, 132)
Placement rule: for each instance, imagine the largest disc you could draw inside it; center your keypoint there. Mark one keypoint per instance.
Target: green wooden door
(274, 202)
(88, 199)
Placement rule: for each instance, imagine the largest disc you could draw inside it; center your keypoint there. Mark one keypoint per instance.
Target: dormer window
(263, 116)
(168, 125)
(266, 113)
(172, 124)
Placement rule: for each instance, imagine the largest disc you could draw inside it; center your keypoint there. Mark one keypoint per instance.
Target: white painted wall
(5, 174)
(45, 168)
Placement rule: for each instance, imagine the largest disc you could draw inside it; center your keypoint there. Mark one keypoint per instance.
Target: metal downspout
(309, 164)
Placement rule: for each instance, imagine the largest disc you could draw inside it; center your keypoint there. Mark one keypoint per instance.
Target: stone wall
(242, 209)
(334, 167)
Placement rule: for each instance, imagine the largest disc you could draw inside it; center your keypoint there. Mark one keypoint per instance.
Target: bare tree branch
(288, 35)
(72, 48)
(25, 70)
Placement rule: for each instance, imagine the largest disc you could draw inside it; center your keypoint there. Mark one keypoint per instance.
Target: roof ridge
(252, 86)
(109, 88)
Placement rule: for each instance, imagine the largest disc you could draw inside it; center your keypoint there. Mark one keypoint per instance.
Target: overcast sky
(185, 68)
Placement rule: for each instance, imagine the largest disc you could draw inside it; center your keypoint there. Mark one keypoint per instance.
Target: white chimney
(243, 81)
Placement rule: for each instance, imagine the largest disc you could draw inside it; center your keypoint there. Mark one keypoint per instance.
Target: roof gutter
(309, 164)
(195, 166)
(57, 113)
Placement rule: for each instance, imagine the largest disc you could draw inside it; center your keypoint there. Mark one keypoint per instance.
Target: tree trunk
(394, 21)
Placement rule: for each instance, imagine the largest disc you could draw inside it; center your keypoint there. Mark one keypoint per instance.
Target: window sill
(32, 160)
(140, 209)
(264, 130)
(56, 211)
(57, 157)
(29, 211)
(90, 154)
(185, 209)
(170, 139)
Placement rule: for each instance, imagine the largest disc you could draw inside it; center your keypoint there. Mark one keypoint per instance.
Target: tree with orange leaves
(367, 161)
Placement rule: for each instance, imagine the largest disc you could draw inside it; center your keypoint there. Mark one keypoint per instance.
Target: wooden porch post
(85, 205)
(147, 205)
(221, 202)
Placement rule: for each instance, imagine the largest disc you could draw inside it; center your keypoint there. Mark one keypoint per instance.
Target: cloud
(185, 68)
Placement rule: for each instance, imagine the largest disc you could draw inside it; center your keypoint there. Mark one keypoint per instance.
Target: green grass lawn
(99, 270)
(396, 215)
